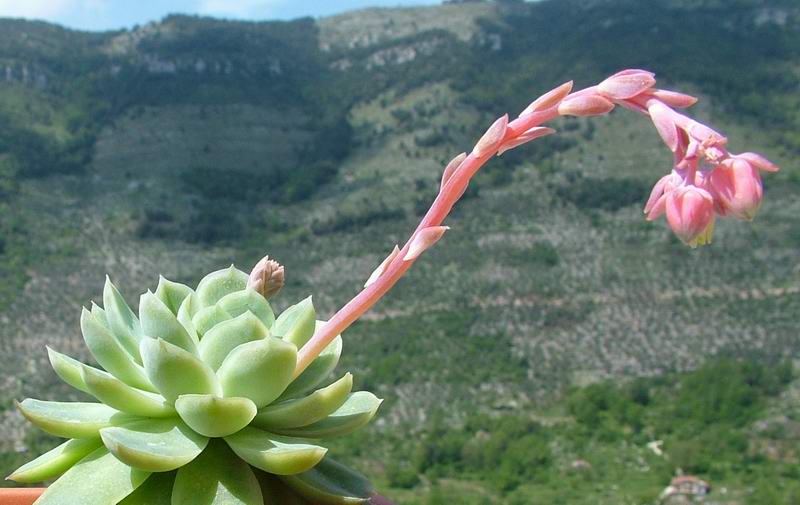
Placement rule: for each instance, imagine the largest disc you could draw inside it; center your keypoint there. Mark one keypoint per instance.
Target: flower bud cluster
(707, 180)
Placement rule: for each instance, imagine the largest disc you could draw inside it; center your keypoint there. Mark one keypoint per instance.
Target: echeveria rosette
(197, 405)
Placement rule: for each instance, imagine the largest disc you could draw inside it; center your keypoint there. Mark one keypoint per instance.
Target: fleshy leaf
(331, 483)
(239, 302)
(115, 393)
(227, 335)
(121, 320)
(216, 477)
(186, 311)
(258, 370)
(357, 411)
(275, 454)
(110, 354)
(159, 322)
(297, 323)
(307, 410)
(217, 284)
(98, 479)
(208, 318)
(55, 461)
(175, 371)
(172, 293)
(213, 416)
(317, 371)
(100, 315)
(68, 369)
(155, 491)
(68, 419)
(154, 445)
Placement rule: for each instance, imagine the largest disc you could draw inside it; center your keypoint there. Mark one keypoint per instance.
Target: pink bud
(630, 71)
(492, 138)
(703, 133)
(624, 86)
(423, 240)
(532, 134)
(690, 214)
(451, 168)
(267, 277)
(585, 105)
(549, 99)
(758, 161)
(656, 204)
(674, 99)
(382, 267)
(664, 119)
(737, 188)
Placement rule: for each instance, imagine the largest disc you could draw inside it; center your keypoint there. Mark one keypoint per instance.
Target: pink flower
(657, 203)
(737, 188)
(690, 214)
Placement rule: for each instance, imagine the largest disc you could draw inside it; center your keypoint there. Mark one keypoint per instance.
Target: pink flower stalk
(705, 181)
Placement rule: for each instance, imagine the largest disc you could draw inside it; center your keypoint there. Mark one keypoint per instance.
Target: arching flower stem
(631, 89)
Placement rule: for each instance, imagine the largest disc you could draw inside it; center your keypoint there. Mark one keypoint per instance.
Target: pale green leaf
(175, 371)
(186, 311)
(154, 445)
(98, 479)
(107, 350)
(219, 341)
(297, 323)
(217, 477)
(121, 320)
(68, 369)
(115, 393)
(100, 315)
(172, 293)
(273, 453)
(213, 416)
(55, 461)
(317, 371)
(217, 284)
(208, 318)
(239, 302)
(357, 411)
(68, 419)
(259, 370)
(331, 483)
(159, 322)
(306, 410)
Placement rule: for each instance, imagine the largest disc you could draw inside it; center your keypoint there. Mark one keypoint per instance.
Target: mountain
(186, 144)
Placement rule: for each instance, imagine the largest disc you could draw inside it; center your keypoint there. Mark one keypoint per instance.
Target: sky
(115, 14)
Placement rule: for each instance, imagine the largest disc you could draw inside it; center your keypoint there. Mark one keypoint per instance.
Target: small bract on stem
(705, 181)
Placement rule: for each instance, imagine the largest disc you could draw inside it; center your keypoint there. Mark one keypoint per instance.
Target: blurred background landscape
(539, 353)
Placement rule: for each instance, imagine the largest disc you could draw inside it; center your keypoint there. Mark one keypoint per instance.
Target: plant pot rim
(19, 495)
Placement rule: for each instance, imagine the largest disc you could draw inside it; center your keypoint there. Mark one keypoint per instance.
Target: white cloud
(51, 10)
(33, 8)
(237, 8)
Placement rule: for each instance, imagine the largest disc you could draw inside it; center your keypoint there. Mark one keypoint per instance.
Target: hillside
(190, 143)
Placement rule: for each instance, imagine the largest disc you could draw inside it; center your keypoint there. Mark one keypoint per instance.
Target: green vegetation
(591, 446)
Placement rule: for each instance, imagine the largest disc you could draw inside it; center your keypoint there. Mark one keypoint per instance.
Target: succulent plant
(197, 403)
